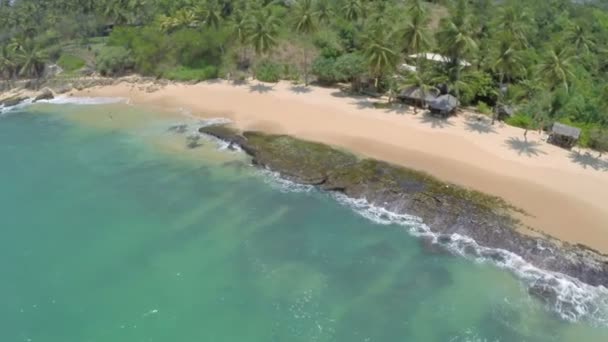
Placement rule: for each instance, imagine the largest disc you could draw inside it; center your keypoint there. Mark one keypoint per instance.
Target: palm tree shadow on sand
(587, 160)
(524, 147)
(479, 125)
(260, 88)
(435, 122)
(300, 89)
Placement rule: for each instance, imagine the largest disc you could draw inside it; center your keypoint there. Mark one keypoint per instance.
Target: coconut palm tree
(415, 33)
(380, 54)
(556, 68)
(264, 28)
(32, 59)
(514, 21)
(7, 63)
(353, 10)
(305, 24)
(209, 13)
(507, 64)
(324, 11)
(456, 39)
(578, 39)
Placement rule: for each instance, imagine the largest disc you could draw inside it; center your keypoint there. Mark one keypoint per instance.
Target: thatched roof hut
(564, 135)
(414, 95)
(444, 105)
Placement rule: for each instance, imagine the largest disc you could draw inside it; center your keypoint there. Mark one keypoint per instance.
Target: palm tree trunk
(500, 98)
(305, 66)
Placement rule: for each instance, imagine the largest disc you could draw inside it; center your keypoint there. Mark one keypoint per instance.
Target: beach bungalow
(444, 105)
(416, 97)
(564, 135)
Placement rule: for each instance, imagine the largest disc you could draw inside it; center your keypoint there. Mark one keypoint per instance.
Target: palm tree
(556, 68)
(507, 64)
(264, 28)
(240, 25)
(305, 24)
(577, 38)
(210, 13)
(32, 59)
(353, 10)
(514, 20)
(455, 37)
(324, 11)
(416, 33)
(7, 63)
(381, 57)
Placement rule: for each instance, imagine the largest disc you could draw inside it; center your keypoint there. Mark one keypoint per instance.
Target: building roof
(565, 130)
(444, 103)
(435, 57)
(415, 93)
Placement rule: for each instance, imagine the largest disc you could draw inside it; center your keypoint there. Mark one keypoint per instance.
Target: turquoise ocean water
(113, 228)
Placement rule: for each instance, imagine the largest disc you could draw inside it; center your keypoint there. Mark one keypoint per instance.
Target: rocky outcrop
(13, 100)
(445, 208)
(45, 94)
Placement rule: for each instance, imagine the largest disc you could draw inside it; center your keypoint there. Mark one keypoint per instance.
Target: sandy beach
(564, 192)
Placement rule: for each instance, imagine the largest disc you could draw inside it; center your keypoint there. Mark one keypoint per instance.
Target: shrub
(267, 71)
(598, 139)
(325, 69)
(483, 108)
(520, 120)
(114, 60)
(70, 63)
(188, 74)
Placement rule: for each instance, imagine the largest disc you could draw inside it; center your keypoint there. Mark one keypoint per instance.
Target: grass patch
(520, 120)
(192, 74)
(70, 63)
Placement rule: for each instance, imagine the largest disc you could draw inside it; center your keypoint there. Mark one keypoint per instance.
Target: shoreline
(562, 196)
(561, 191)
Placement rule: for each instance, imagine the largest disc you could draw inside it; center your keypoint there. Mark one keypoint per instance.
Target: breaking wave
(85, 100)
(568, 297)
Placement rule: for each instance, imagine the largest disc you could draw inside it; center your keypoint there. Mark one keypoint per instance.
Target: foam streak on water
(573, 301)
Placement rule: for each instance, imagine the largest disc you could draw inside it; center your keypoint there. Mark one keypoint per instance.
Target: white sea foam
(84, 100)
(574, 300)
(64, 100)
(6, 110)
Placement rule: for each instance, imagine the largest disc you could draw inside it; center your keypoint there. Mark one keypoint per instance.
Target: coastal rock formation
(45, 94)
(13, 100)
(445, 208)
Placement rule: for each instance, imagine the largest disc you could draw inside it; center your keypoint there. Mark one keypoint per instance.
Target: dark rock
(45, 94)
(445, 208)
(13, 100)
(180, 129)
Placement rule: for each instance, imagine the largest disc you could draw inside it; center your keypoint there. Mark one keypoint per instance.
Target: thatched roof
(444, 103)
(565, 130)
(415, 93)
(435, 57)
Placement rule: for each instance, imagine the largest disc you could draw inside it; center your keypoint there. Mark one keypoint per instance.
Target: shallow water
(114, 228)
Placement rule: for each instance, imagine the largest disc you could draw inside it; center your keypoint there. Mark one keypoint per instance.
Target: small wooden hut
(416, 97)
(564, 135)
(444, 105)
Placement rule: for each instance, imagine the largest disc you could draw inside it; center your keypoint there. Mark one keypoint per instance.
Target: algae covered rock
(45, 94)
(447, 209)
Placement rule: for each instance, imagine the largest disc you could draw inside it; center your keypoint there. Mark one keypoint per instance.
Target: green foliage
(325, 69)
(483, 108)
(187, 74)
(70, 63)
(114, 60)
(521, 120)
(268, 71)
(598, 139)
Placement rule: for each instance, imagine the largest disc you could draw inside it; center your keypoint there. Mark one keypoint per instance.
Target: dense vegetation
(548, 59)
